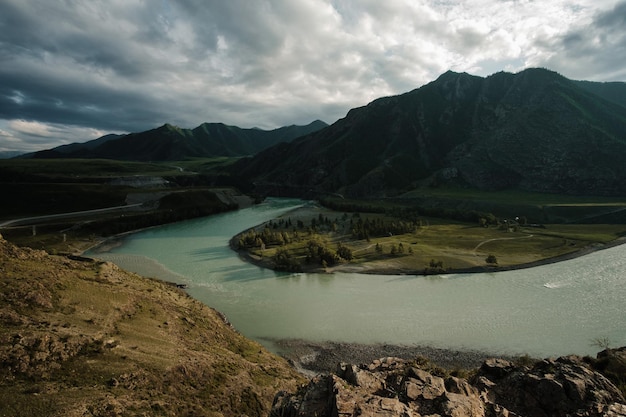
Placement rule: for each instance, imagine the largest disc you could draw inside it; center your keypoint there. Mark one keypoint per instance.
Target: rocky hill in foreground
(84, 338)
(395, 387)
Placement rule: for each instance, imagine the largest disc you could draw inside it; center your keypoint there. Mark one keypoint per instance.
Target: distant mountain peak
(169, 127)
(534, 130)
(169, 142)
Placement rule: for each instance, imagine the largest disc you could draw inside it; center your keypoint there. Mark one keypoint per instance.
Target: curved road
(496, 239)
(38, 219)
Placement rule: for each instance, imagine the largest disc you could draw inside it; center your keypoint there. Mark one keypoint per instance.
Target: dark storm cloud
(595, 50)
(89, 68)
(58, 69)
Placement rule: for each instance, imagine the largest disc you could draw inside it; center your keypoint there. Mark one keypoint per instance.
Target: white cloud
(129, 65)
(30, 128)
(33, 136)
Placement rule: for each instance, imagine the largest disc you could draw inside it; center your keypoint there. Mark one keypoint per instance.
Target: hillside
(612, 91)
(171, 143)
(79, 337)
(83, 338)
(535, 131)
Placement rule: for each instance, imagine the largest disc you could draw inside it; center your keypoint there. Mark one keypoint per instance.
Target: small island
(399, 239)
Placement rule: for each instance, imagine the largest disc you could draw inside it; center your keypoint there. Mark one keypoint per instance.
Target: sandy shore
(320, 357)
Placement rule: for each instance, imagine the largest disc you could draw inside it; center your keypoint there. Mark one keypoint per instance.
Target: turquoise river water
(545, 311)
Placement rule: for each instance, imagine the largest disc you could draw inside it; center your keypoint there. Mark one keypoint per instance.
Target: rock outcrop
(566, 386)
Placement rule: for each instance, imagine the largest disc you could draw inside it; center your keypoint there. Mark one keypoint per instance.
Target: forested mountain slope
(535, 130)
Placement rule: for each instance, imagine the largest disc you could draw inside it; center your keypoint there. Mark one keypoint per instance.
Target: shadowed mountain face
(171, 143)
(534, 130)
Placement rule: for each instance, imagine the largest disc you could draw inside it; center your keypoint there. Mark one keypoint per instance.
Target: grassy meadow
(428, 245)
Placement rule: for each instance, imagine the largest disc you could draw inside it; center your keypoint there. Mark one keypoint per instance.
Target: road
(499, 238)
(40, 219)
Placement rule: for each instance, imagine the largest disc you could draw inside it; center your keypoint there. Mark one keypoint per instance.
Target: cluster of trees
(316, 253)
(413, 213)
(284, 261)
(285, 231)
(324, 223)
(398, 249)
(268, 237)
(321, 254)
(318, 223)
(435, 267)
(364, 229)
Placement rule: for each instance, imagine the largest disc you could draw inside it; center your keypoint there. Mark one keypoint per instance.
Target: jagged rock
(565, 386)
(360, 378)
(496, 367)
(616, 410)
(393, 387)
(422, 385)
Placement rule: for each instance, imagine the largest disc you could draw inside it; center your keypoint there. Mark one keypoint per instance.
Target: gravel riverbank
(319, 357)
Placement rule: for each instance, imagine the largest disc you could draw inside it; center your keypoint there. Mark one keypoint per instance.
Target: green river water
(545, 311)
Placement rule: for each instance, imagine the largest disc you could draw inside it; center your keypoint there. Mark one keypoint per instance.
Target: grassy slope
(85, 338)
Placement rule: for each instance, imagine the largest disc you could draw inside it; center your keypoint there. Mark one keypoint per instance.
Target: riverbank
(514, 313)
(312, 358)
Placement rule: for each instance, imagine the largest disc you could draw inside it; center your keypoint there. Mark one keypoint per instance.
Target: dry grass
(85, 338)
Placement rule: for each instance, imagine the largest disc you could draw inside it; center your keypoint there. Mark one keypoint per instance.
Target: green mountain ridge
(612, 91)
(172, 143)
(535, 130)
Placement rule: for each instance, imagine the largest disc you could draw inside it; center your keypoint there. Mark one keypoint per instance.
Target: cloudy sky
(74, 70)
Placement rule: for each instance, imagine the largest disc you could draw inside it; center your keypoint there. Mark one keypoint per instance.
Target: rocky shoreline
(392, 386)
(321, 357)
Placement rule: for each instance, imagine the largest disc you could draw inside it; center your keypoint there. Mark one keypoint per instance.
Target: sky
(72, 70)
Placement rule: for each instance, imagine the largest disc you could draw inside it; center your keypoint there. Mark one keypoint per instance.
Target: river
(551, 310)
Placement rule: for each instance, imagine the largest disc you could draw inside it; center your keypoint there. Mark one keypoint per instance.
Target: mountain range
(172, 143)
(535, 130)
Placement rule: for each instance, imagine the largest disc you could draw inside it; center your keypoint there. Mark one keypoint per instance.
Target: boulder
(567, 386)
